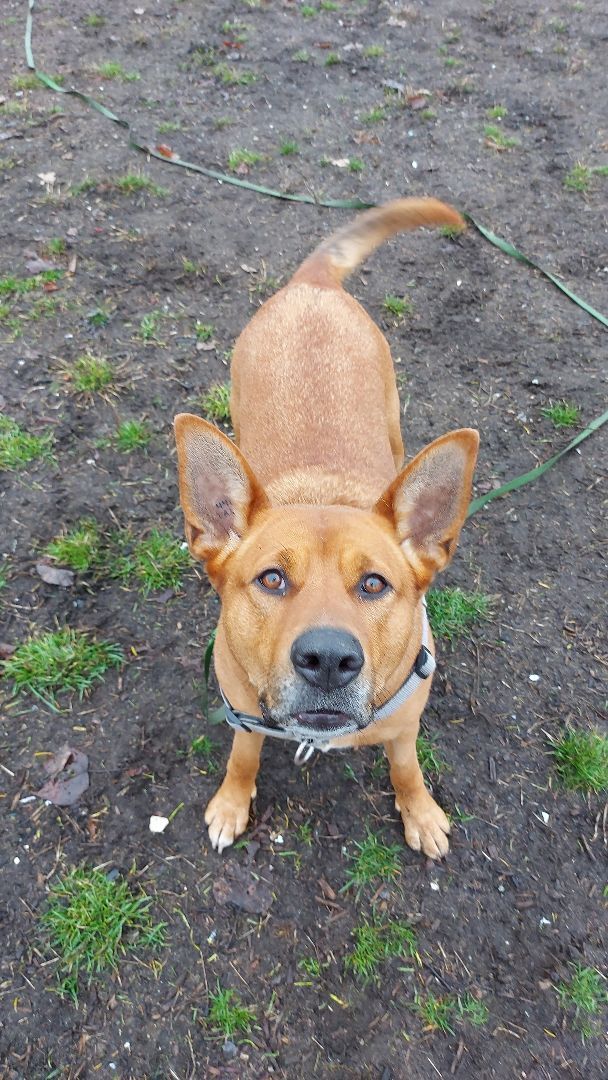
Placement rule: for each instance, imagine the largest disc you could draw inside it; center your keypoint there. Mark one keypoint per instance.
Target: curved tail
(338, 256)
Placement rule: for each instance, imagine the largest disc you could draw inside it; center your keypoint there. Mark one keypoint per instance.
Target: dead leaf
(165, 151)
(68, 777)
(54, 575)
(6, 650)
(341, 163)
(366, 138)
(240, 887)
(72, 264)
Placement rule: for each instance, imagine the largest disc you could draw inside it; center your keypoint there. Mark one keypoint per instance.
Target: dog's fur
(317, 493)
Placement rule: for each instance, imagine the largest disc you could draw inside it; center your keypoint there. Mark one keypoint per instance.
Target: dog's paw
(227, 816)
(425, 825)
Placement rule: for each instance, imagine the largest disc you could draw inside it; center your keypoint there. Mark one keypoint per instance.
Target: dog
(320, 541)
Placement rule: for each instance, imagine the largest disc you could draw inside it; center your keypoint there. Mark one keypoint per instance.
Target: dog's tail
(338, 256)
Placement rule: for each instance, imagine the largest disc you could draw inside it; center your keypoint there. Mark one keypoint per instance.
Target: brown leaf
(6, 650)
(240, 887)
(68, 777)
(54, 575)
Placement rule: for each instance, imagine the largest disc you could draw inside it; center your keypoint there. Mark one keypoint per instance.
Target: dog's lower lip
(337, 718)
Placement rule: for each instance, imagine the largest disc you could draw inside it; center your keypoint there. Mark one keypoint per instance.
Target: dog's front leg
(424, 822)
(228, 812)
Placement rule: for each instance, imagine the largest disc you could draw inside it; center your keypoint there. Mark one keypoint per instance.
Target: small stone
(158, 824)
(229, 1049)
(534, 678)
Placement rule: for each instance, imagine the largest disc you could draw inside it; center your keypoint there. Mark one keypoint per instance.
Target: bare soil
(489, 344)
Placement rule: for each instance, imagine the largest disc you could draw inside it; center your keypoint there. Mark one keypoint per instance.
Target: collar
(423, 667)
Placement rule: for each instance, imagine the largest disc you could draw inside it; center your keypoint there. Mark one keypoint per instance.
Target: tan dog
(318, 540)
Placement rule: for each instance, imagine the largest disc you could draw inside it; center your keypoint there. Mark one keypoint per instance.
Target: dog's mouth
(325, 722)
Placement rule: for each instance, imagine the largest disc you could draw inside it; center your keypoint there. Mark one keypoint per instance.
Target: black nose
(327, 658)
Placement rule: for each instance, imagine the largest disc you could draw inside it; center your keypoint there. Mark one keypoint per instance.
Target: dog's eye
(272, 581)
(373, 585)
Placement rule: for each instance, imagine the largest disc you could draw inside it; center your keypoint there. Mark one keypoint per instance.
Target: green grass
(149, 325)
(203, 331)
(398, 306)
(241, 156)
(496, 138)
(234, 76)
(373, 51)
(79, 547)
(450, 231)
(98, 317)
(375, 115)
(378, 941)
(227, 1014)
(310, 966)
(453, 611)
(581, 761)
(215, 402)
(59, 662)
(91, 374)
(561, 414)
(301, 56)
(308, 12)
(328, 5)
(288, 148)
(18, 448)
(113, 70)
(134, 183)
(439, 1013)
(92, 922)
(25, 82)
(578, 178)
(3, 575)
(205, 750)
(429, 758)
(373, 863)
(55, 246)
(332, 59)
(95, 21)
(586, 993)
(167, 126)
(155, 562)
(131, 435)
(11, 286)
(497, 112)
(355, 165)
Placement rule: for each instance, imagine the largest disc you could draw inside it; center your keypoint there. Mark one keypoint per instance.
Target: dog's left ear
(218, 491)
(427, 503)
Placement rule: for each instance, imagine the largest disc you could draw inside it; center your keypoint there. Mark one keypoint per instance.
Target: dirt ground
(488, 344)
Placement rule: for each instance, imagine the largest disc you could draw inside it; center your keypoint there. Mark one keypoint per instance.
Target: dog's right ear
(218, 491)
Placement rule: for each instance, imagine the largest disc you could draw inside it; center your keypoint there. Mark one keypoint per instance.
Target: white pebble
(534, 678)
(158, 824)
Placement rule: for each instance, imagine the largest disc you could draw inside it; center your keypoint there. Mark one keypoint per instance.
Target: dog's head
(319, 602)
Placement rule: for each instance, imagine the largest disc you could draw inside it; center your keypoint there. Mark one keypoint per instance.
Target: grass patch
(332, 59)
(91, 374)
(581, 761)
(134, 183)
(288, 148)
(25, 82)
(355, 165)
(497, 139)
(79, 548)
(301, 56)
(241, 156)
(11, 286)
(149, 325)
(497, 112)
(227, 1014)
(205, 750)
(113, 70)
(158, 561)
(233, 76)
(453, 611)
(215, 402)
(95, 21)
(131, 435)
(580, 176)
(203, 331)
(92, 922)
(373, 862)
(60, 662)
(375, 115)
(18, 448)
(429, 758)
(586, 993)
(561, 414)
(439, 1013)
(376, 942)
(398, 306)
(372, 52)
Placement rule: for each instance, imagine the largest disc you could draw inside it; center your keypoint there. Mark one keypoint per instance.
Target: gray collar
(424, 666)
